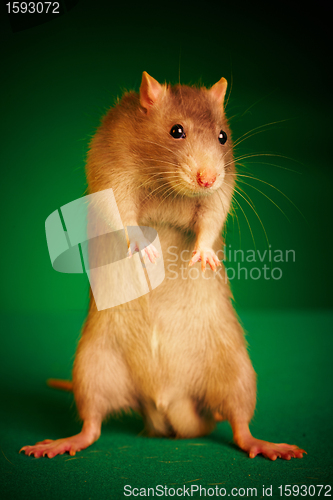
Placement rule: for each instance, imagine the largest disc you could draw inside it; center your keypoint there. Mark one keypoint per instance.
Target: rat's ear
(218, 90)
(150, 91)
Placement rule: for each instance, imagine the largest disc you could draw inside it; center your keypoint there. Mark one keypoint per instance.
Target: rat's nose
(206, 178)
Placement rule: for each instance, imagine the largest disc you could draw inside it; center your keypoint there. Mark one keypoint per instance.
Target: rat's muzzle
(206, 178)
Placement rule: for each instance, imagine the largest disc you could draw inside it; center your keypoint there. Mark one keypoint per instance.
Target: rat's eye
(222, 137)
(177, 132)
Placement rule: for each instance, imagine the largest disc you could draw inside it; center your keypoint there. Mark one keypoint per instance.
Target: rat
(177, 354)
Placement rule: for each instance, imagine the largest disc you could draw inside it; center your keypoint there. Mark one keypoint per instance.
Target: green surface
(58, 78)
(291, 353)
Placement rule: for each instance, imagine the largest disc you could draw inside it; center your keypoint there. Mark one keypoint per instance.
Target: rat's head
(186, 136)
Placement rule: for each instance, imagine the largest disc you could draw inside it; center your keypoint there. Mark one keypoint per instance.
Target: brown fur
(177, 354)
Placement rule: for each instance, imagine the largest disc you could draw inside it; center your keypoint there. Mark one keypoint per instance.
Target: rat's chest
(175, 213)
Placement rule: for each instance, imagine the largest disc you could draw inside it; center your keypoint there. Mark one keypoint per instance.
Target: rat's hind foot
(89, 434)
(271, 450)
(254, 447)
(51, 448)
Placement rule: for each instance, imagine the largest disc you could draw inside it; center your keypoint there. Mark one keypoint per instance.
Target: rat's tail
(63, 385)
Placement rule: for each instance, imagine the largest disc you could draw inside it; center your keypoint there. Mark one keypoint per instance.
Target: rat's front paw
(137, 242)
(205, 255)
(145, 248)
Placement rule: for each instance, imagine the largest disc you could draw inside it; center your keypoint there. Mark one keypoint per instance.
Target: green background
(58, 79)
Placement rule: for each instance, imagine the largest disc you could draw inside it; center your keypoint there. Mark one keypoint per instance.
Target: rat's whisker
(270, 164)
(158, 188)
(236, 160)
(233, 214)
(247, 220)
(277, 206)
(171, 191)
(157, 160)
(159, 176)
(220, 197)
(273, 187)
(149, 195)
(229, 94)
(258, 155)
(262, 225)
(177, 153)
(232, 187)
(248, 135)
(255, 103)
(239, 229)
(247, 196)
(256, 130)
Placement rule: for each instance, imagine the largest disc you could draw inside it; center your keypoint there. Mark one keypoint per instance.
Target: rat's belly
(191, 327)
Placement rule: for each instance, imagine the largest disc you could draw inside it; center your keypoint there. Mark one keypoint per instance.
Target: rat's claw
(211, 262)
(195, 258)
